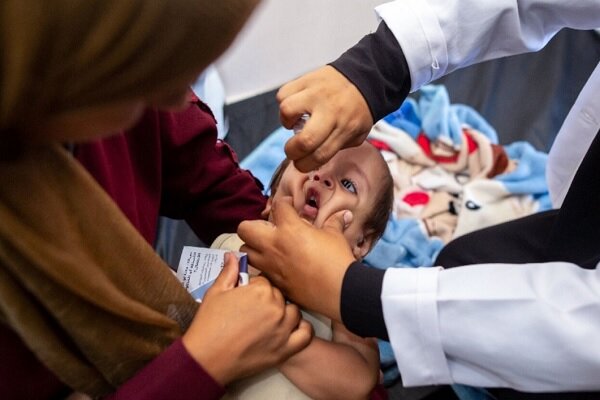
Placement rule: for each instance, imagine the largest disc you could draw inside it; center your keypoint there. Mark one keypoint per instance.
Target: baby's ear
(362, 246)
(267, 211)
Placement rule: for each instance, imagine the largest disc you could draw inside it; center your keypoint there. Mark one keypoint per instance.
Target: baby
(337, 363)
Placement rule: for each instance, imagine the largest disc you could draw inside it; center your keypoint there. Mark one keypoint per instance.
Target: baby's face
(351, 181)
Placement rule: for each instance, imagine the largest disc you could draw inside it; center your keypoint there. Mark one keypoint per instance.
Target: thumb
(283, 210)
(228, 277)
(339, 221)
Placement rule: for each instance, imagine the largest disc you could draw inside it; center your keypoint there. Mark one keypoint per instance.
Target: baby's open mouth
(311, 205)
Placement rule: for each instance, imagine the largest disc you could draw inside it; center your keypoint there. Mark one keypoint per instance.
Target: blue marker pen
(244, 276)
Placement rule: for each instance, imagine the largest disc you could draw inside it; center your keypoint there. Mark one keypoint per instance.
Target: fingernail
(347, 218)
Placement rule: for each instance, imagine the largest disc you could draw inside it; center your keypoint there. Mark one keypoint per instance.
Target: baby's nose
(320, 178)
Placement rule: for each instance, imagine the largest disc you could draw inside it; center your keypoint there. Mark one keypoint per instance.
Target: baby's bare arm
(345, 368)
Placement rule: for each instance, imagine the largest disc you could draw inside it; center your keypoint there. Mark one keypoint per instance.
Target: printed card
(199, 267)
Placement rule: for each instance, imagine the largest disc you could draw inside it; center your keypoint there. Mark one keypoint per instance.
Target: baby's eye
(349, 185)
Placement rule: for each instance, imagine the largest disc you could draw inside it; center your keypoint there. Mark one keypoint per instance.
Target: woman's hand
(339, 116)
(307, 263)
(240, 331)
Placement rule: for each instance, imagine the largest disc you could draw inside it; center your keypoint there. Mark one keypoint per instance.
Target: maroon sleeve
(203, 182)
(173, 375)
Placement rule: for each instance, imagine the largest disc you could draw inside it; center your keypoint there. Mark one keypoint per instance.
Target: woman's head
(62, 56)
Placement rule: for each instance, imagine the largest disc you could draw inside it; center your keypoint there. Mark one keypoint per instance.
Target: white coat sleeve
(439, 36)
(575, 137)
(533, 327)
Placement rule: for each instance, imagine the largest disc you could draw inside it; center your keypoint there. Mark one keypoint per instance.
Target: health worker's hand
(339, 116)
(240, 331)
(307, 263)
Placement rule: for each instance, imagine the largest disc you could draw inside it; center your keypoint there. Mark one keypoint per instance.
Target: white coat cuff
(410, 312)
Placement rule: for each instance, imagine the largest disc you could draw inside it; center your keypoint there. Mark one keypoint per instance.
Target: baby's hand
(254, 272)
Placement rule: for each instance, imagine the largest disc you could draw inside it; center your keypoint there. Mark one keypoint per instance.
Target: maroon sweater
(169, 164)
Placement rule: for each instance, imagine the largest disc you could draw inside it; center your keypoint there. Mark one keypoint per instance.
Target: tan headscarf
(78, 284)
(60, 55)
